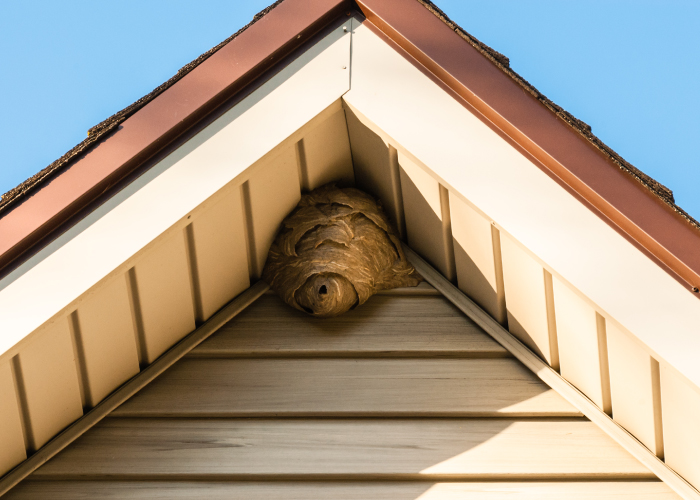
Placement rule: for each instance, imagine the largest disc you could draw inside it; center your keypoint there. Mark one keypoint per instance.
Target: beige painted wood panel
(526, 301)
(474, 257)
(220, 254)
(274, 192)
(373, 171)
(165, 300)
(680, 404)
(631, 387)
(399, 448)
(347, 387)
(106, 331)
(383, 326)
(49, 378)
(12, 450)
(423, 213)
(580, 344)
(327, 156)
(321, 490)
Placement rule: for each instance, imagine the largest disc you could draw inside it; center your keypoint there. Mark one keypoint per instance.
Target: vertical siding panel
(51, 391)
(12, 450)
(221, 253)
(423, 214)
(577, 335)
(526, 304)
(274, 192)
(631, 387)
(680, 405)
(474, 257)
(165, 296)
(108, 338)
(373, 173)
(327, 153)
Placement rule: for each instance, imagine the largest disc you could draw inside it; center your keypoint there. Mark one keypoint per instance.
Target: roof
(650, 239)
(194, 184)
(16, 194)
(417, 391)
(94, 134)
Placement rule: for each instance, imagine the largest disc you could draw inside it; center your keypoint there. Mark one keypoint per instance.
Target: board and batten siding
(537, 305)
(213, 240)
(524, 268)
(181, 279)
(168, 251)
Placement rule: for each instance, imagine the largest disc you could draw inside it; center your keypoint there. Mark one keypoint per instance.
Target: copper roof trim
(103, 128)
(114, 148)
(639, 208)
(633, 203)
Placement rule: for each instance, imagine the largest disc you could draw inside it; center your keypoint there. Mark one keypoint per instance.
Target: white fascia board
(477, 164)
(49, 282)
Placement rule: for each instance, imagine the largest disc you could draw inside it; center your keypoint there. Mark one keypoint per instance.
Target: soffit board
(117, 149)
(478, 164)
(627, 198)
(160, 200)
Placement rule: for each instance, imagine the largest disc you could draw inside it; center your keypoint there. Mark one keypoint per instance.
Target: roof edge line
(551, 378)
(652, 244)
(132, 386)
(313, 19)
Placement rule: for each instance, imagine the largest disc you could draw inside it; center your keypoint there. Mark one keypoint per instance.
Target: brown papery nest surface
(334, 251)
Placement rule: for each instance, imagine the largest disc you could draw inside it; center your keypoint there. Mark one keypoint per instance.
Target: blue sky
(628, 68)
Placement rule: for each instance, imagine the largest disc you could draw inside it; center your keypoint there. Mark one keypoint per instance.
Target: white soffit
(45, 285)
(473, 161)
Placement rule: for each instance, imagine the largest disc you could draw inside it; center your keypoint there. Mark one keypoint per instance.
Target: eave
(137, 187)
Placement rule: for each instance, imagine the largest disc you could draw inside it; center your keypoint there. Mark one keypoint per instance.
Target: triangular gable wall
(189, 234)
(417, 392)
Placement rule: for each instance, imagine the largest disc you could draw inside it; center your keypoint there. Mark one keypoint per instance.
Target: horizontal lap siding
(341, 387)
(353, 448)
(258, 365)
(340, 490)
(385, 326)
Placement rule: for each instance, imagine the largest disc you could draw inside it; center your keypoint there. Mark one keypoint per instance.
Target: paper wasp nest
(334, 251)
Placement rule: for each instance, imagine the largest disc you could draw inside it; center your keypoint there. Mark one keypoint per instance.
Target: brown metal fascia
(630, 207)
(228, 71)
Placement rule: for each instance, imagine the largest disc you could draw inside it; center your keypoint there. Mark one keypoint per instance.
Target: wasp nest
(335, 251)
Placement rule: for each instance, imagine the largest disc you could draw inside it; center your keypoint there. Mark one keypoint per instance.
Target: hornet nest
(334, 251)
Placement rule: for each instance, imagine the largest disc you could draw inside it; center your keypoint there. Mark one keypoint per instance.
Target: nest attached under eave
(335, 251)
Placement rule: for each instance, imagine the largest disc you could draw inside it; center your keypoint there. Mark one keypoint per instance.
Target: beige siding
(164, 293)
(375, 171)
(475, 258)
(632, 391)
(354, 490)
(108, 340)
(49, 379)
(581, 339)
(526, 301)
(399, 413)
(680, 403)
(12, 450)
(272, 193)
(423, 213)
(327, 156)
(220, 254)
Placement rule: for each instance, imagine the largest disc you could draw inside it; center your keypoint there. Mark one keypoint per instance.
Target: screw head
(695, 289)
(345, 29)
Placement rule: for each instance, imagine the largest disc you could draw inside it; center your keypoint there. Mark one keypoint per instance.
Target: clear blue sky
(629, 68)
